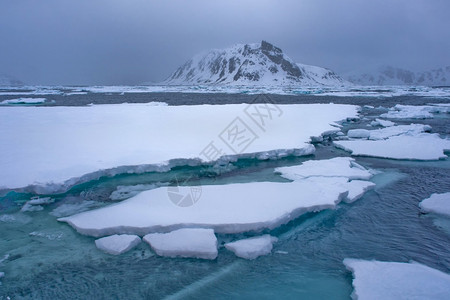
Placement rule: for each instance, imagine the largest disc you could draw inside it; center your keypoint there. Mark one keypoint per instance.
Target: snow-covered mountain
(396, 76)
(9, 81)
(251, 64)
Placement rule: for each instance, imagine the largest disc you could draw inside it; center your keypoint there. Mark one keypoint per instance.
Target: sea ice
(394, 280)
(358, 133)
(437, 203)
(357, 188)
(411, 129)
(252, 248)
(418, 147)
(186, 242)
(414, 112)
(231, 208)
(23, 101)
(102, 139)
(117, 244)
(384, 133)
(380, 122)
(334, 167)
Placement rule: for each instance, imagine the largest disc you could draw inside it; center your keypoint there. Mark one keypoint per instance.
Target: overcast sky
(135, 41)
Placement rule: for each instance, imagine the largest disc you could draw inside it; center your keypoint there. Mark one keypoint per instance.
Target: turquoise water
(45, 259)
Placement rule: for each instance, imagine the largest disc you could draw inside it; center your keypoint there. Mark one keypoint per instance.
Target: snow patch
(186, 242)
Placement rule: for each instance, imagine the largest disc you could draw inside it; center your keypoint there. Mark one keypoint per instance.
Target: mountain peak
(250, 64)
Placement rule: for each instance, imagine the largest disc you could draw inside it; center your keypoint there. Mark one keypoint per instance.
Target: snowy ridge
(250, 64)
(9, 81)
(397, 76)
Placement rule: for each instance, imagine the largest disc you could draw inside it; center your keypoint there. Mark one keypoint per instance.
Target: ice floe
(384, 133)
(415, 112)
(117, 244)
(252, 248)
(334, 167)
(422, 146)
(102, 138)
(357, 188)
(437, 203)
(23, 101)
(394, 280)
(35, 204)
(358, 133)
(186, 242)
(232, 208)
(381, 122)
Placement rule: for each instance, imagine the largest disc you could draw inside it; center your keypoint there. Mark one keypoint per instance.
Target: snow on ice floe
(252, 248)
(51, 146)
(422, 146)
(186, 242)
(437, 203)
(357, 188)
(415, 112)
(394, 280)
(345, 167)
(117, 244)
(334, 167)
(23, 101)
(384, 133)
(232, 208)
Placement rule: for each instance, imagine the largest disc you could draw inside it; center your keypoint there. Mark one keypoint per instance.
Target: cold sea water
(45, 259)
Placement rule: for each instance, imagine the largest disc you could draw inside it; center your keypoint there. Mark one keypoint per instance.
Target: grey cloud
(134, 41)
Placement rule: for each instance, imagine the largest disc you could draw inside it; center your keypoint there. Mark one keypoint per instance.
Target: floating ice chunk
(334, 167)
(394, 280)
(420, 147)
(117, 244)
(252, 248)
(67, 209)
(412, 129)
(186, 242)
(380, 122)
(35, 204)
(23, 101)
(357, 188)
(414, 112)
(143, 134)
(232, 208)
(358, 133)
(40, 201)
(437, 203)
